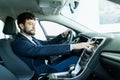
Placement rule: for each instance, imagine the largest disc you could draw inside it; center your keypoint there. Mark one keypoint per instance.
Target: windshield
(98, 15)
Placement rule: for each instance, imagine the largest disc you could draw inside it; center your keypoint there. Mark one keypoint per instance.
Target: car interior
(99, 63)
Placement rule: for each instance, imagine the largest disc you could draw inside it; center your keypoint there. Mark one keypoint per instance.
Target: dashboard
(103, 60)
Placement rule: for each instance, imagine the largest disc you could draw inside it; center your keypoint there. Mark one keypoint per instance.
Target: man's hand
(83, 45)
(66, 33)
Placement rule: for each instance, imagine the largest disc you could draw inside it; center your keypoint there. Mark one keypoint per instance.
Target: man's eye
(30, 23)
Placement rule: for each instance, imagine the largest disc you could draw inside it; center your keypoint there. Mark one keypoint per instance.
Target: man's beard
(29, 32)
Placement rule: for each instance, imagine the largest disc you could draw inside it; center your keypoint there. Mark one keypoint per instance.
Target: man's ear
(21, 26)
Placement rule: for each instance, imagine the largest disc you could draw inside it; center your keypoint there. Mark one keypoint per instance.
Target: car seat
(5, 74)
(10, 60)
(10, 27)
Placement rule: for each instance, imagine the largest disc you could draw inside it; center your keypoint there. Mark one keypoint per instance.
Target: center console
(81, 67)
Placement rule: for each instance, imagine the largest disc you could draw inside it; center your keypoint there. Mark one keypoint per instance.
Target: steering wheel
(70, 37)
(68, 41)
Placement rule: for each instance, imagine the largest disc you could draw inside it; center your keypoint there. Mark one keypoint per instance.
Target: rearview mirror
(73, 6)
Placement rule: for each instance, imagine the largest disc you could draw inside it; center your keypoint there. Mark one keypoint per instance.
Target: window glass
(98, 15)
(109, 12)
(1, 29)
(86, 13)
(39, 34)
(52, 28)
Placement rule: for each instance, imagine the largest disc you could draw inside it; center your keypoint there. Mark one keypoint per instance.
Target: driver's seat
(10, 60)
(13, 63)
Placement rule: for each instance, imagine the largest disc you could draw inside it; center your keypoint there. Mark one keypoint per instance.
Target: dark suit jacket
(34, 55)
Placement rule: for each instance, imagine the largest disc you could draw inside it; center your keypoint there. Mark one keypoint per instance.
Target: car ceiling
(46, 7)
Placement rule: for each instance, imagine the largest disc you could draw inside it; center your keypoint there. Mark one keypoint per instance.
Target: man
(34, 51)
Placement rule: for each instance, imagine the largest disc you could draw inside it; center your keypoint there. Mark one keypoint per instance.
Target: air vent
(97, 40)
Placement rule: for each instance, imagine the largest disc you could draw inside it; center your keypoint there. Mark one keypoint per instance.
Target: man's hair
(25, 16)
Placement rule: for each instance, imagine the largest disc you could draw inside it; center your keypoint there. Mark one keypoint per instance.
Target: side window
(1, 29)
(52, 28)
(39, 34)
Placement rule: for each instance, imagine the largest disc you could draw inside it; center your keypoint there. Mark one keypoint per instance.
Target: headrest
(10, 26)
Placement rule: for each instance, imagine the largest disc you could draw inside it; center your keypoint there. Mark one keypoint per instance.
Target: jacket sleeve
(25, 48)
(57, 40)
